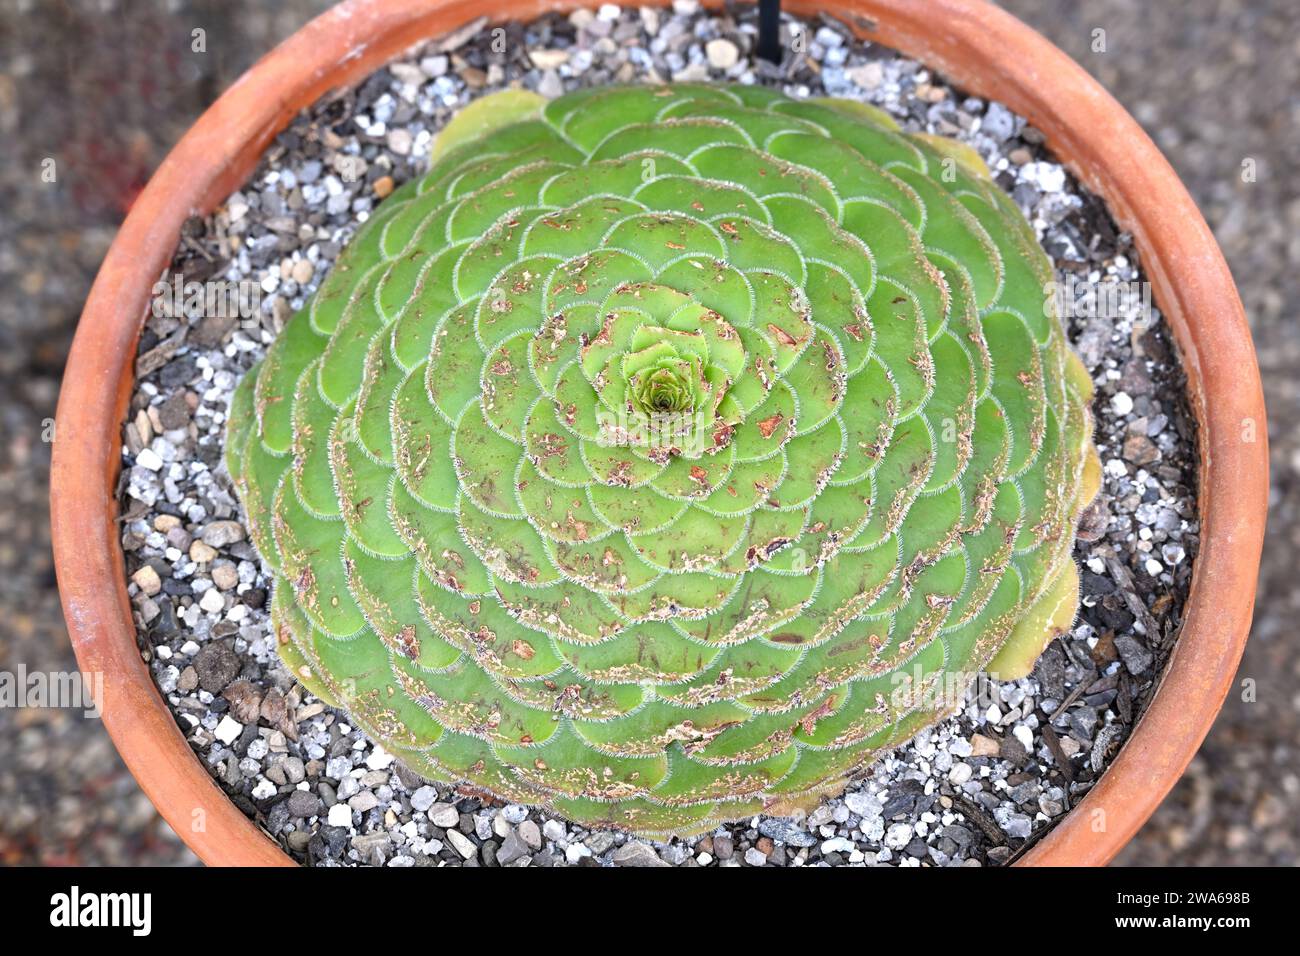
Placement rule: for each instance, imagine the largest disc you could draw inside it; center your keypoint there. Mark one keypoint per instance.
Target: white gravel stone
(548, 59)
(228, 730)
(898, 835)
(575, 852)
(722, 54)
(148, 458)
(399, 141)
(863, 804)
(212, 601)
(461, 844)
(514, 813)
(1025, 736)
(264, 790)
(444, 815)
(1049, 177)
(554, 831)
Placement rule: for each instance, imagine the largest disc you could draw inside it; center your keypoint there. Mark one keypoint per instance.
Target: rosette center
(663, 379)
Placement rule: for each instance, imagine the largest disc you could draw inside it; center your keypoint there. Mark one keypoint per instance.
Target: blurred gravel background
(105, 87)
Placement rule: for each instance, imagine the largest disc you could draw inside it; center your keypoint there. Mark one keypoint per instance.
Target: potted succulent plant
(521, 432)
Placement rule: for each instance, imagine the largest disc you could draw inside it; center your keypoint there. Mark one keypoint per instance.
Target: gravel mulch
(974, 790)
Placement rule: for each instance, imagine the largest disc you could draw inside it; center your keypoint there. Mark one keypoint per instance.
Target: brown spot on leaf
(768, 425)
(407, 643)
(782, 336)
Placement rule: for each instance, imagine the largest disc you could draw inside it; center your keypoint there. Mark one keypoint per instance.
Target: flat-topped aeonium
(656, 455)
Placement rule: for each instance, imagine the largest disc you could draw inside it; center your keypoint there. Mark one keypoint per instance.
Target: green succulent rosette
(656, 455)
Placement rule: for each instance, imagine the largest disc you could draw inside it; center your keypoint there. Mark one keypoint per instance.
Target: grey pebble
(1134, 653)
(636, 853)
(444, 815)
(303, 803)
(785, 831)
(530, 834)
(220, 534)
(512, 848)
(363, 802)
(461, 844)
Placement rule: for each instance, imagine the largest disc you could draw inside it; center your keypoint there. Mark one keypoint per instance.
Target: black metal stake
(769, 30)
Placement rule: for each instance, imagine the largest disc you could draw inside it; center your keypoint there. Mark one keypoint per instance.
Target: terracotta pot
(981, 48)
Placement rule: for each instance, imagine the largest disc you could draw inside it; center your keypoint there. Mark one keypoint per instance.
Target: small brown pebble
(212, 330)
(174, 413)
(147, 580)
(225, 576)
(1140, 450)
(245, 699)
(723, 846)
(202, 553)
(1105, 651)
(218, 534)
(276, 712)
(165, 523)
(1013, 751)
(383, 186)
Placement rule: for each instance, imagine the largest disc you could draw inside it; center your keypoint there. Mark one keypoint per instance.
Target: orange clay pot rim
(984, 50)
